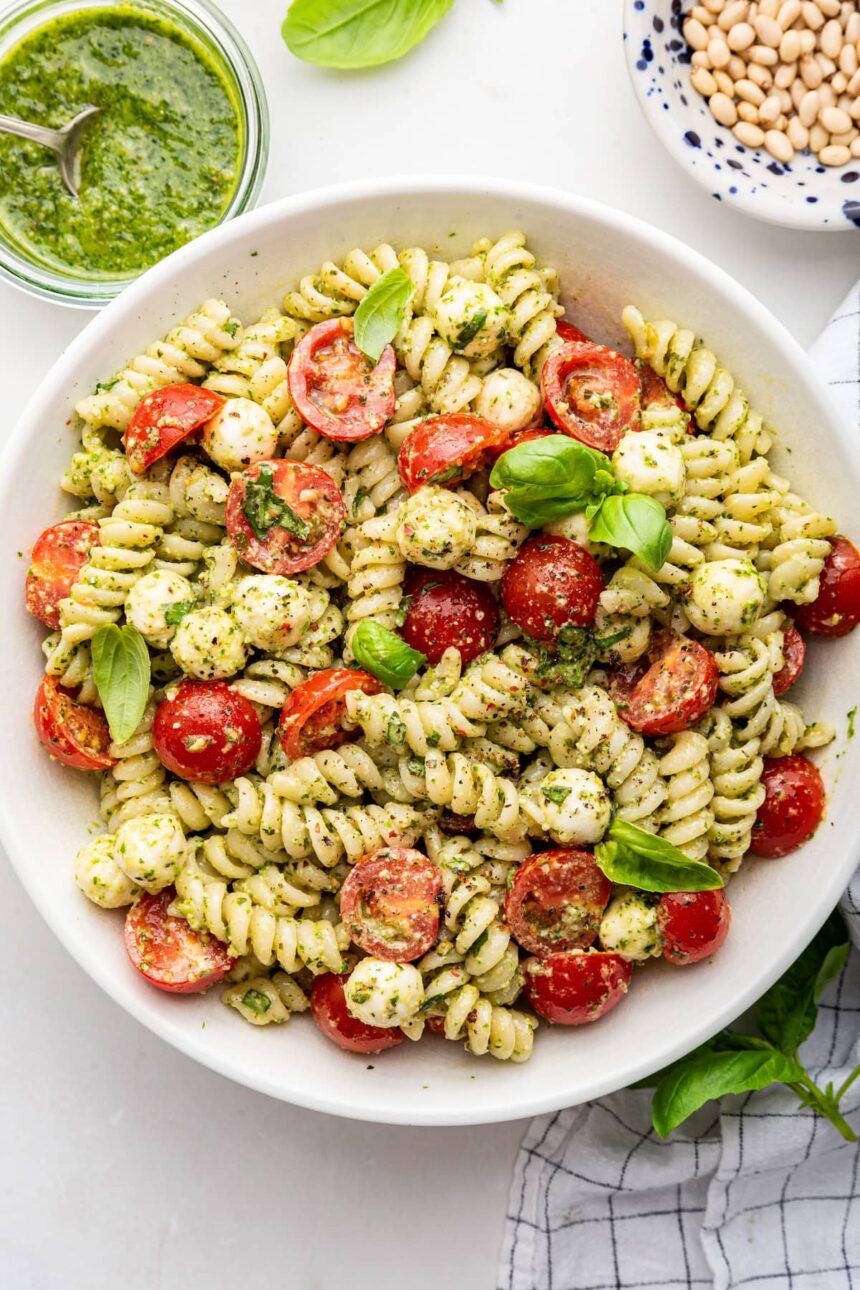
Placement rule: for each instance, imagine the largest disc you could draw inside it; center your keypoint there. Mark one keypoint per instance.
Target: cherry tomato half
(517, 437)
(165, 418)
(336, 388)
(574, 987)
(675, 692)
(569, 331)
(836, 609)
(169, 953)
(446, 450)
(312, 717)
(591, 393)
(390, 903)
(557, 901)
(207, 732)
(446, 609)
(792, 809)
(284, 516)
(693, 924)
(329, 1011)
(794, 652)
(72, 732)
(550, 583)
(58, 556)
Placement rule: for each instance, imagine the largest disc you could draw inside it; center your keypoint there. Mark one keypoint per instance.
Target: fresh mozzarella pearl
(99, 876)
(629, 927)
(240, 433)
(380, 993)
(576, 528)
(651, 464)
(470, 317)
(150, 849)
(575, 806)
(209, 644)
(148, 602)
(508, 399)
(437, 528)
(273, 612)
(725, 597)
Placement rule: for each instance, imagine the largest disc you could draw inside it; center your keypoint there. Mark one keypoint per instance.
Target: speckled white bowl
(801, 195)
(606, 259)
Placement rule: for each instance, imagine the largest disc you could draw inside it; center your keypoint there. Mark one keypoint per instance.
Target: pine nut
(768, 8)
(778, 146)
(713, 6)
(702, 15)
(812, 15)
(719, 51)
(760, 76)
(854, 83)
(741, 37)
(830, 39)
(723, 109)
(848, 61)
(826, 95)
(733, 13)
(798, 134)
(789, 47)
(830, 8)
(785, 76)
(695, 34)
(810, 106)
(825, 65)
(797, 91)
(855, 147)
(725, 84)
(703, 81)
(818, 137)
(834, 120)
(789, 12)
(736, 67)
(852, 28)
(810, 71)
(807, 42)
(764, 55)
(839, 84)
(700, 58)
(854, 110)
(834, 155)
(770, 33)
(769, 110)
(845, 139)
(749, 92)
(747, 112)
(747, 133)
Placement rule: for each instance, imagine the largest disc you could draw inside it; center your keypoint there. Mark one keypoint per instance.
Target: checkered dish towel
(756, 1193)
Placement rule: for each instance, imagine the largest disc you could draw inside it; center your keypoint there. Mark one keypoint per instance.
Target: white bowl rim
(59, 378)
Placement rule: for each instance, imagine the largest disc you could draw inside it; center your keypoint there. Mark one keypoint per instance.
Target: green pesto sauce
(159, 164)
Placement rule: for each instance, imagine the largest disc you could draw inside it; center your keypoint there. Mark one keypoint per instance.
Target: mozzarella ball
(150, 849)
(239, 433)
(148, 603)
(725, 597)
(99, 876)
(629, 927)
(651, 464)
(273, 612)
(386, 994)
(576, 528)
(437, 528)
(470, 317)
(575, 806)
(209, 644)
(508, 399)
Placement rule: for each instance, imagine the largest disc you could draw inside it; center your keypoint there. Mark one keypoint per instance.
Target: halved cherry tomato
(517, 437)
(654, 390)
(794, 652)
(550, 583)
(454, 824)
(336, 388)
(165, 418)
(693, 924)
(574, 987)
(284, 516)
(568, 330)
(591, 393)
(792, 809)
(446, 609)
(836, 609)
(312, 717)
(59, 554)
(329, 1010)
(557, 901)
(169, 953)
(446, 450)
(205, 731)
(72, 732)
(390, 903)
(677, 689)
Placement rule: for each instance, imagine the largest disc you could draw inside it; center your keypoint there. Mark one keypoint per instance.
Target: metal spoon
(65, 143)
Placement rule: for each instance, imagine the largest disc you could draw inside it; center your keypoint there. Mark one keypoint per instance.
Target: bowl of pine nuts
(758, 99)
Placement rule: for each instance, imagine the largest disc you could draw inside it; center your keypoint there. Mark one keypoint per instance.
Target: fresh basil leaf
(787, 1012)
(470, 329)
(256, 1001)
(573, 656)
(557, 794)
(633, 856)
(536, 506)
(358, 33)
(174, 614)
(690, 1084)
(378, 317)
(554, 461)
(264, 509)
(385, 654)
(635, 523)
(121, 671)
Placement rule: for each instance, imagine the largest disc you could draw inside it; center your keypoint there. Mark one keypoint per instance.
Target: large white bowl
(606, 259)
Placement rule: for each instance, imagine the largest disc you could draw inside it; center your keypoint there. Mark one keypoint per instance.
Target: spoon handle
(37, 133)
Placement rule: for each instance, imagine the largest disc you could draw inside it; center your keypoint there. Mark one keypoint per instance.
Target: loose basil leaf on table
(121, 671)
(378, 317)
(385, 654)
(787, 1012)
(358, 33)
(636, 523)
(636, 858)
(690, 1084)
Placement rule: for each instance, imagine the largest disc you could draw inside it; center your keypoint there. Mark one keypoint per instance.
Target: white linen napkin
(755, 1193)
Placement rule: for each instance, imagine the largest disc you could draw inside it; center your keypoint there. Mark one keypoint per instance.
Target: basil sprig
(385, 654)
(377, 319)
(358, 33)
(264, 509)
(121, 671)
(736, 1063)
(633, 856)
(635, 522)
(574, 653)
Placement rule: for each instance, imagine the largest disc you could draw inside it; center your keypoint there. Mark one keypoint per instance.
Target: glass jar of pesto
(179, 146)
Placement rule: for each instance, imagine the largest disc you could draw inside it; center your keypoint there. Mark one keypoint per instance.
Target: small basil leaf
(358, 33)
(121, 671)
(690, 1084)
(174, 614)
(535, 506)
(264, 509)
(385, 654)
(554, 461)
(787, 1012)
(377, 319)
(575, 651)
(640, 859)
(636, 523)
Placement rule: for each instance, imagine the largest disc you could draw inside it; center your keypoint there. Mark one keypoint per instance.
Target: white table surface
(121, 1162)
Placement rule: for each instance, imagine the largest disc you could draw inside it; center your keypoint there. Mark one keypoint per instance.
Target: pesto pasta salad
(431, 656)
